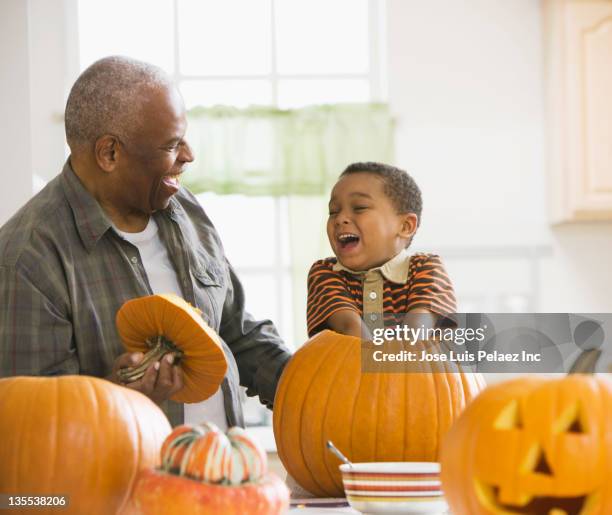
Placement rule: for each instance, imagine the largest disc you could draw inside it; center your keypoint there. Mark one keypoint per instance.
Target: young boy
(374, 211)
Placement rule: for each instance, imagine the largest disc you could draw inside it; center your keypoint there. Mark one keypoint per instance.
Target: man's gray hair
(106, 98)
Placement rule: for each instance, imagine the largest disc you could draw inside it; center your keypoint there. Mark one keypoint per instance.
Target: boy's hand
(348, 322)
(421, 317)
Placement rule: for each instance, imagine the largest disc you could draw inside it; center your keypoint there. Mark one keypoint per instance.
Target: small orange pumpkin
(207, 472)
(323, 395)
(159, 324)
(532, 445)
(78, 436)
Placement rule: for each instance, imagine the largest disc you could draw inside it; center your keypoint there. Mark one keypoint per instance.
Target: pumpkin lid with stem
(159, 324)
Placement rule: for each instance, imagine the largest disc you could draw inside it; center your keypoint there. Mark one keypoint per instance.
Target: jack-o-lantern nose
(542, 466)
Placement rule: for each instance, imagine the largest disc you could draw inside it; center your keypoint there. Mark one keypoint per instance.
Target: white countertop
(317, 506)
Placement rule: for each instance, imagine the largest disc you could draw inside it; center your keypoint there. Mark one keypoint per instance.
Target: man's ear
(409, 223)
(106, 151)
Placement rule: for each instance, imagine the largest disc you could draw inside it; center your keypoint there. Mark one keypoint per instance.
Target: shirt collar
(174, 207)
(90, 219)
(394, 270)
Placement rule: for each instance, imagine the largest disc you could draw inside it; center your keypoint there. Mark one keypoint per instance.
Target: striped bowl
(394, 487)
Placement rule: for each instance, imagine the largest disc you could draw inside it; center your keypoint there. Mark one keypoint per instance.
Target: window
(283, 53)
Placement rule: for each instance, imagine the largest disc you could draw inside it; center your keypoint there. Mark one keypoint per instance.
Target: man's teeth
(344, 237)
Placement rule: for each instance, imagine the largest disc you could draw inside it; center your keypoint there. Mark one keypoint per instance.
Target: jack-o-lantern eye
(572, 420)
(510, 417)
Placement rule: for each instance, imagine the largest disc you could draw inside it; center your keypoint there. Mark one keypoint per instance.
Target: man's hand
(160, 381)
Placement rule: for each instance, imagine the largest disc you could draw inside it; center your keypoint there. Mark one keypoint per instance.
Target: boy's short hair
(399, 186)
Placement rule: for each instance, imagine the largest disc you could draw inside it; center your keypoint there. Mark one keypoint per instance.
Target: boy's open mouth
(347, 241)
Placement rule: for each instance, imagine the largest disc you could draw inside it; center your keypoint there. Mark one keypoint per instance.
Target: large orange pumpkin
(206, 472)
(533, 445)
(159, 324)
(323, 395)
(78, 436)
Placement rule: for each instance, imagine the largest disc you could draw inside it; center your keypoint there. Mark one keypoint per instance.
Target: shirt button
(373, 295)
(134, 260)
(373, 317)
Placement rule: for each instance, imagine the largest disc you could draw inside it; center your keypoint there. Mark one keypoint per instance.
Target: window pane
(287, 326)
(246, 226)
(261, 298)
(117, 27)
(322, 36)
(239, 93)
(224, 38)
(255, 413)
(283, 219)
(298, 93)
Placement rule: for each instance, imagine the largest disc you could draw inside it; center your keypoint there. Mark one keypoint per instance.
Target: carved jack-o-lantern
(533, 446)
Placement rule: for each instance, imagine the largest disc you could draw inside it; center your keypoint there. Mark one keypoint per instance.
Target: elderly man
(115, 225)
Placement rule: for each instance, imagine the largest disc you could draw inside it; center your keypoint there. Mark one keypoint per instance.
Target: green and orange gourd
(206, 472)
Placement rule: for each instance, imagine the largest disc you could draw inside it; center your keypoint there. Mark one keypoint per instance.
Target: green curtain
(297, 153)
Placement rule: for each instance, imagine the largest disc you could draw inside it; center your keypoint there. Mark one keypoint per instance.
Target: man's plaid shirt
(64, 273)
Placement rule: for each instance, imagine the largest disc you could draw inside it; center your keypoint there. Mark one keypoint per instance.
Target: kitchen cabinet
(578, 93)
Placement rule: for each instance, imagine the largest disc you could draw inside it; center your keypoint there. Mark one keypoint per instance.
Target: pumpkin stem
(159, 347)
(586, 362)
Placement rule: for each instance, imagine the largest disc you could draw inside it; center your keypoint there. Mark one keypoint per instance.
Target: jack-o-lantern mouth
(535, 505)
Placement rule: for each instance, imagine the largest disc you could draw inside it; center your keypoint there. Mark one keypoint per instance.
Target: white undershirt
(162, 278)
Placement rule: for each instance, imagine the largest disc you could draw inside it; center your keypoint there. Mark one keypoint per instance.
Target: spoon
(334, 450)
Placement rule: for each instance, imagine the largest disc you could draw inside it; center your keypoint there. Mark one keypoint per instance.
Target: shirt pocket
(207, 278)
(210, 289)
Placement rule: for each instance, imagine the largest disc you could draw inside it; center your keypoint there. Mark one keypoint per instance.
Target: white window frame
(376, 73)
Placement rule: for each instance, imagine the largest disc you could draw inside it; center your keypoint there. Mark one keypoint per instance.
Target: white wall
(15, 145)
(465, 83)
(35, 56)
(53, 68)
